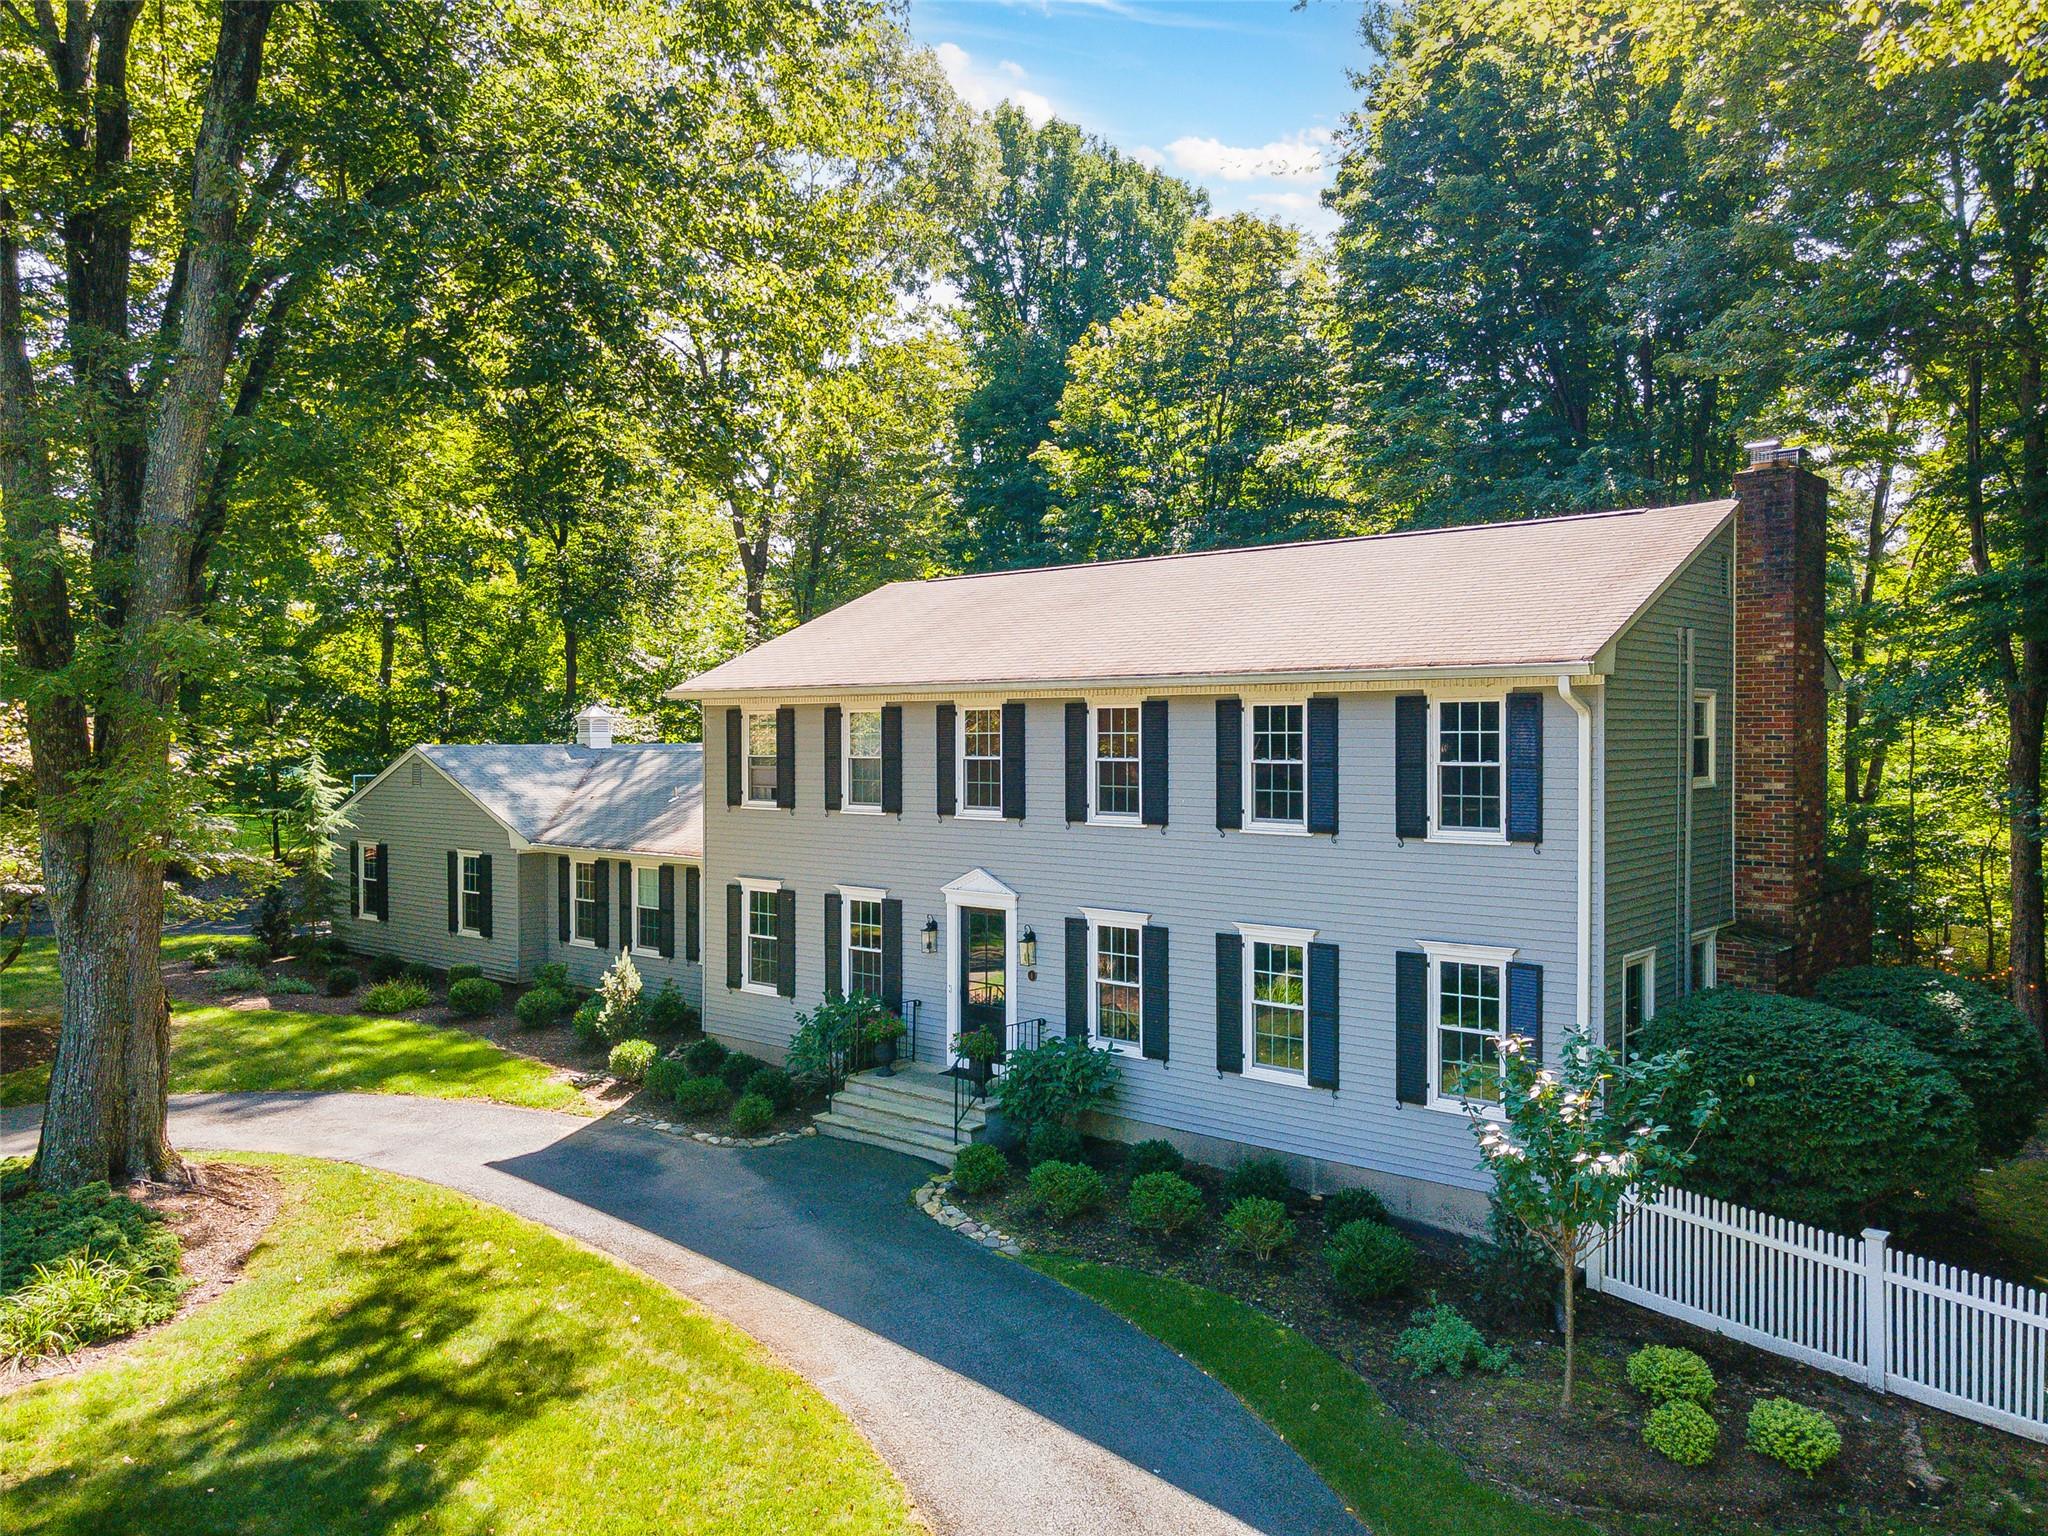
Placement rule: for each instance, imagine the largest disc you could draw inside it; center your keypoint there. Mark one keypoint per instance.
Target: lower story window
(863, 947)
(589, 907)
(1118, 984)
(1279, 1001)
(373, 872)
(1638, 995)
(472, 893)
(647, 909)
(763, 966)
(1703, 958)
(1468, 1016)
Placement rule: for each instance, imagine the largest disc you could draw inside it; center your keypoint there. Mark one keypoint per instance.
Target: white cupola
(595, 724)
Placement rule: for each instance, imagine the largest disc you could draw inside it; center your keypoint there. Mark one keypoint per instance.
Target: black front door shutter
(1077, 978)
(1525, 767)
(1322, 1015)
(603, 936)
(1229, 766)
(785, 758)
(693, 899)
(734, 934)
(454, 893)
(483, 887)
(832, 765)
(1229, 1002)
(892, 759)
(563, 880)
(1152, 976)
(665, 928)
(355, 879)
(735, 758)
(1013, 760)
(892, 955)
(1525, 1005)
(1077, 761)
(1152, 746)
(1411, 765)
(833, 984)
(1411, 1027)
(785, 942)
(1322, 765)
(384, 882)
(943, 765)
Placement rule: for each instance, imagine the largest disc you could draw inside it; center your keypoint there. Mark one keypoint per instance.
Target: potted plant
(883, 1031)
(981, 1048)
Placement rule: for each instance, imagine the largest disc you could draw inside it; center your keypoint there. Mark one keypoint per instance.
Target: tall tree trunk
(569, 663)
(1859, 789)
(387, 653)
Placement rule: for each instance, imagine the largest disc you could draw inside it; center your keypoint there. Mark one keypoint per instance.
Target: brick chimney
(1793, 922)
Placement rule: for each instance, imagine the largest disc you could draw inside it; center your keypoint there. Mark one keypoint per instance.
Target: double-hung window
(760, 729)
(1116, 978)
(589, 905)
(1277, 750)
(1467, 777)
(863, 760)
(1702, 744)
(647, 908)
(981, 761)
(1638, 995)
(761, 949)
(1113, 752)
(1468, 1023)
(373, 872)
(1276, 1002)
(863, 943)
(472, 866)
(1703, 947)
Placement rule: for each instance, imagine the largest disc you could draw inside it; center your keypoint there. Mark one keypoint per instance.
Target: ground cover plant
(80, 1267)
(401, 994)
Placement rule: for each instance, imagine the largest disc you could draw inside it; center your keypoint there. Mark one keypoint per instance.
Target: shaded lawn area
(400, 1358)
(31, 994)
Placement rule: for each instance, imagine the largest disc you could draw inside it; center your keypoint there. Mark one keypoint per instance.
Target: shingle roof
(1546, 592)
(632, 798)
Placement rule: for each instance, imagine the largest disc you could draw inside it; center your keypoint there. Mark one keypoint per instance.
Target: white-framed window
(373, 871)
(1113, 789)
(1638, 995)
(862, 777)
(1467, 782)
(1116, 978)
(761, 759)
(1704, 946)
(1276, 1002)
(861, 955)
(1468, 1021)
(1704, 731)
(646, 907)
(1276, 767)
(470, 866)
(588, 905)
(761, 946)
(981, 760)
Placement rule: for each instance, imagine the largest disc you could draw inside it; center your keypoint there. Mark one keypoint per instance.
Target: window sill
(1276, 829)
(1131, 1048)
(1274, 1075)
(1462, 1108)
(860, 810)
(1095, 820)
(964, 814)
(758, 989)
(758, 805)
(469, 933)
(1704, 784)
(1482, 839)
(583, 944)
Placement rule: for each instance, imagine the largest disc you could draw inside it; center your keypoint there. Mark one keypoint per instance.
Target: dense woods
(421, 369)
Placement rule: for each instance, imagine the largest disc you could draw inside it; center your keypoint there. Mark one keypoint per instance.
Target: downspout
(1585, 819)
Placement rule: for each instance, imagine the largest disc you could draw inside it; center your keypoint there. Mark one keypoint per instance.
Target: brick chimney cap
(1770, 450)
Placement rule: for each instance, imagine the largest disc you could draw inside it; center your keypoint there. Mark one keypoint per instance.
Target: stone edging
(931, 1199)
(711, 1139)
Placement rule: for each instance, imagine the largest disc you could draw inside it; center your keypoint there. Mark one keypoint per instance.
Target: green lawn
(401, 1359)
(31, 983)
(2012, 1205)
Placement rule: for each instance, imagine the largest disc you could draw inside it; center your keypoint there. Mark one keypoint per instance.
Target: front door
(984, 971)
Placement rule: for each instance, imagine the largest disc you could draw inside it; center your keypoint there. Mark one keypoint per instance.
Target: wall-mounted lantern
(931, 935)
(1027, 950)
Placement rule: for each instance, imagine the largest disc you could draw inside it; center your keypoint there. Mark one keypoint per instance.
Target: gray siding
(1647, 782)
(421, 815)
(1360, 890)
(587, 964)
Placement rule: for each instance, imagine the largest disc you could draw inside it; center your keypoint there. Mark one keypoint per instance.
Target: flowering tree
(1575, 1150)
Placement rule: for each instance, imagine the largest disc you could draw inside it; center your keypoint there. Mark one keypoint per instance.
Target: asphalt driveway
(1006, 1402)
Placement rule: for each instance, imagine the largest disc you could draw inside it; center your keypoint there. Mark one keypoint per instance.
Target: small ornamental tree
(317, 824)
(619, 1000)
(1574, 1151)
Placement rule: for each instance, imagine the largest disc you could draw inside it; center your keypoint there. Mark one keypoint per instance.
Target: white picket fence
(1944, 1336)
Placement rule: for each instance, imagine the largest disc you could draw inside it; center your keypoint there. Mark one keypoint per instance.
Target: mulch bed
(1510, 1430)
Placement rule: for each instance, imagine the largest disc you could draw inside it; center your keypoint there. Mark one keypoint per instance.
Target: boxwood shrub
(540, 1007)
(475, 996)
(1986, 1043)
(1368, 1260)
(738, 1070)
(555, 974)
(587, 1023)
(1053, 1143)
(979, 1168)
(1349, 1205)
(462, 973)
(1665, 1374)
(341, 980)
(751, 1115)
(1154, 1157)
(1804, 1439)
(774, 1085)
(1683, 1431)
(701, 1096)
(1263, 1177)
(1165, 1203)
(705, 1056)
(665, 1074)
(1065, 1191)
(1257, 1225)
(1825, 1116)
(630, 1059)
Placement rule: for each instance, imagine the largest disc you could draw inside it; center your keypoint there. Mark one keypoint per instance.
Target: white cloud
(1298, 157)
(982, 86)
(1287, 202)
(1149, 157)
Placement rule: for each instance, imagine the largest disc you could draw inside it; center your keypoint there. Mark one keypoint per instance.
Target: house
(508, 856)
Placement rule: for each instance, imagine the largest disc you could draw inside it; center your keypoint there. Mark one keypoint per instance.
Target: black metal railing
(858, 1053)
(971, 1082)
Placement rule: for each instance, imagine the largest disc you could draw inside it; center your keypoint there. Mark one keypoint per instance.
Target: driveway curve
(1008, 1404)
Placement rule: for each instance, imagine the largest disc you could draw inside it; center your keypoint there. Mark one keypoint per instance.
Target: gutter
(1584, 1016)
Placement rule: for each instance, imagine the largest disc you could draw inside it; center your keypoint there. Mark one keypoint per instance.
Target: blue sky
(1238, 96)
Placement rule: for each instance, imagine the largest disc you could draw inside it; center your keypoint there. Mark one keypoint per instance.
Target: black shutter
(1077, 761)
(355, 879)
(833, 983)
(384, 882)
(1525, 767)
(832, 788)
(665, 927)
(1322, 764)
(892, 955)
(944, 765)
(1411, 765)
(785, 942)
(483, 887)
(1152, 762)
(1411, 1027)
(629, 901)
(734, 915)
(1229, 1001)
(1322, 1015)
(1525, 1005)
(1152, 976)
(1013, 760)
(1077, 978)
(735, 763)
(1229, 766)
(603, 872)
(785, 758)
(693, 900)
(892, 759)
(563, 881)
(454, 894)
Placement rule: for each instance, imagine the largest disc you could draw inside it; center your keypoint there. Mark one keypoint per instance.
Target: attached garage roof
(1550, 592)
(632, 798)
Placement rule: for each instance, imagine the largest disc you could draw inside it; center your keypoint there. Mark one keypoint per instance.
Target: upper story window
(1467, 777)
(761, 952)
(1468, 1014)
(472, 893)
(863, 760)
(981, 761)
(647, 908)
(760, 731)
(1113, 746)
(1702, 745)
(863, 946)
(1279, 765)
(589, 904)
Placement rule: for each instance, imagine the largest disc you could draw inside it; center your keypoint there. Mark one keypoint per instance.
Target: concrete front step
(841, 1128)
(906, 1117)
(911, 1111)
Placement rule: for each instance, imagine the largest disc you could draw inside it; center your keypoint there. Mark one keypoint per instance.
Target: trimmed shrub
(1442, 1343)
(554, 974)
(457, 974)
(665, 1074)
(1065, 1191)
(666, 1013)
(385, 967)
(704, 1056)
(243, 951)
(1263, 1177)
(1054, 1082)
(1349, 1205)
(1053, 1143)
(738, 1070)
(751, 1115)
(1825, 1116)
(341, 980)
(419, 971)
(1803, 1438)
(979, 1168)
(1682, 1431)
(630, 1060)
(237, 978)
(1257, 1225)
(701, 1096)
(1154, 1157)
(1986, 1043)
(1368, 1260)
(774, 1085)
(540, 1007)
(204, 958)
(1665, 1374)
(583, 1023)
(290, 986)
(475, 996)
(1165, 1203)
(398, 996)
